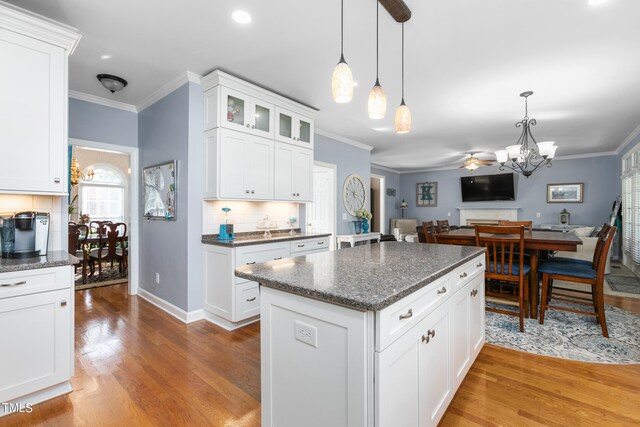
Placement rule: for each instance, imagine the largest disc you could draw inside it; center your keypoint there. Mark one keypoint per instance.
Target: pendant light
(403, 115)
(377, 98)
(342, 79)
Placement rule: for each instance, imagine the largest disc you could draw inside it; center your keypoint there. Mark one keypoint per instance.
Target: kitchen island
(378, 335)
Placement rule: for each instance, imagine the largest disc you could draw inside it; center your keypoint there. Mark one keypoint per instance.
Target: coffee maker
(30, 232)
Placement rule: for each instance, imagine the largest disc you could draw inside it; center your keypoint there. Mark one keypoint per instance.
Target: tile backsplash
(245, 215)
(10, 203)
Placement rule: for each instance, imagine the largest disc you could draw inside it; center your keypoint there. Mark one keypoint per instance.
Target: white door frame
(134, 255)
(334, 221)
(382, 178)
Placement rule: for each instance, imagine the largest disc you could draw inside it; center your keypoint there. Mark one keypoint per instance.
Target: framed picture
(391, 192)
(160, 191)
(564, 193)
(427, 194)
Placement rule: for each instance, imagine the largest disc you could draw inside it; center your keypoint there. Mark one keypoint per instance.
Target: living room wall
(600, 176)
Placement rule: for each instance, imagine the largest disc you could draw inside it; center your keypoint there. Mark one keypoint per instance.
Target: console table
(561, 227)
(353, 238)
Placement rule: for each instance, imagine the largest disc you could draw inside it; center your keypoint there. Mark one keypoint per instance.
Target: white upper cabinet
(293, 173)
(294, 128)
(246, 113)
(33, 105)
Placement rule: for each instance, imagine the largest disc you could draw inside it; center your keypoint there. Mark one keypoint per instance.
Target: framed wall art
(160, 187)
(565, 193)
(427, 194)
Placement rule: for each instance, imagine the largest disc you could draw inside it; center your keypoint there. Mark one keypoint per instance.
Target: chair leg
(99, 270)
(544, 300)
(521, 308)
(599, 302)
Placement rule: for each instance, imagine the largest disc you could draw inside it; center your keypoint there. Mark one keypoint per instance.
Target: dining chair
(77, 245)
(505, 263)
(528, 225)
(97, 227)
(111, 247)
(429, 230)
(443, 226)
(578, 271)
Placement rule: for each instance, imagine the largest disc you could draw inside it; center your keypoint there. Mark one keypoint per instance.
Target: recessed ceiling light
(241, 17)
(105, 56)
(597, 2)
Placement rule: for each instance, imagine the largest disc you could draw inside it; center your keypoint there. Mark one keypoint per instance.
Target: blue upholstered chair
(578, 271)
(505, 263)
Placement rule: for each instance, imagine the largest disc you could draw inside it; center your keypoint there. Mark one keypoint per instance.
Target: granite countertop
(53, 259)
(369, 277)
(255, 238)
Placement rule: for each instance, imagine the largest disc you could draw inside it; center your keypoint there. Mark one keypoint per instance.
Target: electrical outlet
(344, 216)
(448, 213)
(306, 333)
(537, 214)
(157, 278)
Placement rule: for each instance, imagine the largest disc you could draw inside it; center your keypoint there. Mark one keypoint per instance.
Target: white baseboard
(225, 324)
(177, 312)
(37, 397)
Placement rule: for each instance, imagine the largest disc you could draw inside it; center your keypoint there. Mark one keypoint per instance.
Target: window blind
(631, 205)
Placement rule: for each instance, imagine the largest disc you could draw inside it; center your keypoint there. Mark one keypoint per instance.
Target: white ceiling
(466, 63)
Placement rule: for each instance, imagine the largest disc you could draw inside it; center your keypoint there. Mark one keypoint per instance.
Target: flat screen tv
(484, 188)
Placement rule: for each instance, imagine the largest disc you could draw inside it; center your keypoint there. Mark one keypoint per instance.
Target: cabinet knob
(56, 180)
(474, 292)
(63, 303)
(442, 291)
(246, 191)
(253, 127)
(251, 299)
(248, 125)
(298, 194)
(407, 315)
(293, 194)
(463, 275)
(252, 191)
(479, 264)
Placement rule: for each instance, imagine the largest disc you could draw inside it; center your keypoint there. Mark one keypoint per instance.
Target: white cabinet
(242, 133)
(293, 173)
(294, 128)
(33, 105)
(36, 319)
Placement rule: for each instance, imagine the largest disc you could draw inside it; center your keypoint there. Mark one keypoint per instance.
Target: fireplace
(487, 216)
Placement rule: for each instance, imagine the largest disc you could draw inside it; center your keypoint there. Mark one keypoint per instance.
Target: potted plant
(72, 207)
(365, 216)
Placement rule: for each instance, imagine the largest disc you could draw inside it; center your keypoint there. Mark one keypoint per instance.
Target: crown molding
(384, 168)
(585, 156)
(102, 101)
(39, 27)
(633, 135)
(343, 139)
(169, 87)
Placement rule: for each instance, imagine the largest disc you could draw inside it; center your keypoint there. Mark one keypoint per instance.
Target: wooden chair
(97, 227)
(505, 263)
(429, 231)
(443, 226)
(77, 246)
(528, 225)
(579, 271)
(112, 246)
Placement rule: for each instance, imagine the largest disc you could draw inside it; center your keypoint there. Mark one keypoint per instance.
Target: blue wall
(95, 122)
(391, 204)
(599, 174)
(349, 159)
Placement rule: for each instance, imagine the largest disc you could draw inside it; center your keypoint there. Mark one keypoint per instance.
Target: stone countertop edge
(208, 239)
(353, 303)
(52, 259)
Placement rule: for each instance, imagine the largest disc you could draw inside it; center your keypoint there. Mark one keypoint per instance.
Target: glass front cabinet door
(294, 128)
(246, 113)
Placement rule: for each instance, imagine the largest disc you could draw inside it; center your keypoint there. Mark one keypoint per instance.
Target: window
(631, 205)
(103, 198)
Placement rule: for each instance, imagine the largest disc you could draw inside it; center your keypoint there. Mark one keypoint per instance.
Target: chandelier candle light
(342, 79)
(76, 173)
(526, 155)
(377, 99)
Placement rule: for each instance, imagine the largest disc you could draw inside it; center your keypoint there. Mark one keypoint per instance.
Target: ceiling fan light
(472, 166)
(342, 82)
(112, 83)
(377, 102)
(403, 119)
(502, 156)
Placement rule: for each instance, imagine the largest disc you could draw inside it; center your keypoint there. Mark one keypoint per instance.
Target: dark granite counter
(53, 259)
(369, 277)
(255, 238)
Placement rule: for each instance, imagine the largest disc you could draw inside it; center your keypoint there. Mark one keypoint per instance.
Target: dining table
(534, 242)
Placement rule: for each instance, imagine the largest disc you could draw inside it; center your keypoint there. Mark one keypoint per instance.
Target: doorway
(112, 195)
(377, 203)
(321, 213)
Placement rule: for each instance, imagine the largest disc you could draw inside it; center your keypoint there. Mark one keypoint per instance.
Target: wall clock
(354, 193)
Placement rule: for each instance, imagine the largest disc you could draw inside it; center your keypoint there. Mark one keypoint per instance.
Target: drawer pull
(407, 315)
(56, 180)
(251, 263)
(474, 292)
(321, 243)
(251, 299)
(463, 275)
(63, 303)
(479, 264)
(442, 291)
(3, 285)
(431, 333)
(275, 259)
(301, 246)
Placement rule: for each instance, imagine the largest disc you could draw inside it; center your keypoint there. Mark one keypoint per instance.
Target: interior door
(320, 211)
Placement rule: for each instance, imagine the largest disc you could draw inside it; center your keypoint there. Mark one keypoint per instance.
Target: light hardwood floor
(136, 365)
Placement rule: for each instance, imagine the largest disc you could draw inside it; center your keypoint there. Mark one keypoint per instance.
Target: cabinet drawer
(34, 281)
(247, 300)
(248, 255)
(309, 245)
(401, 316)
(467, 271)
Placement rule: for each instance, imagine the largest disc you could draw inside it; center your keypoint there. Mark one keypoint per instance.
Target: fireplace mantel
(488, 213)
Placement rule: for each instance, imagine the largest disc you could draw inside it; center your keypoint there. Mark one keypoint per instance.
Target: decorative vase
(365, 226)
(358, 226)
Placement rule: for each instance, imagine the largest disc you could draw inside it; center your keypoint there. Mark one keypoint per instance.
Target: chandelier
(526, 155)
(76, 174)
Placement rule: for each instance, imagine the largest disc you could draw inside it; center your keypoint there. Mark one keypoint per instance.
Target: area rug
(110, 276)
(570, 336)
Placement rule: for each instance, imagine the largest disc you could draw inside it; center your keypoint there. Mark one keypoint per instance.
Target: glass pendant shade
(377, 102)
(545, 147)
(514, 151)
(502, 156)
(403, 119)
(342, 83)
(552, 153)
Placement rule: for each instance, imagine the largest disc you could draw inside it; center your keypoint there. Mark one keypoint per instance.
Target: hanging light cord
(403, 62)
(342, 28)
(377, 50)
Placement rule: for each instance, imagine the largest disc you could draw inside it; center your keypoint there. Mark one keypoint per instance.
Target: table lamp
(403, 206)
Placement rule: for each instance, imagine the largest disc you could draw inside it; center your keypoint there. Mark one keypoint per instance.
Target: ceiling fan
(473, 162)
